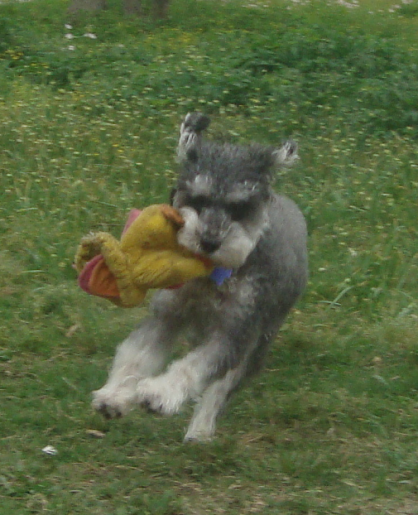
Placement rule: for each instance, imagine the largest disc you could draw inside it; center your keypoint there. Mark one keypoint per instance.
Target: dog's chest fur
(202, 299)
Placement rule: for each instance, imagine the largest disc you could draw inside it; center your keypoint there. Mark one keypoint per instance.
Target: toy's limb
(165, 269)
(172, 214)
(89, 248)
(119, 266)
(144, 353)
(190, 268)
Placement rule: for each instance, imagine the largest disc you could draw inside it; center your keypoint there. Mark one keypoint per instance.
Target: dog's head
(223, 193)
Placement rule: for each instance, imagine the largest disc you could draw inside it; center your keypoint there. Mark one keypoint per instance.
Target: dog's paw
(156, 394)
(112, 403)
(198, 437)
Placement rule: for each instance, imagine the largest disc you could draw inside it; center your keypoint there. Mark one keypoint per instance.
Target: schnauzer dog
(257, 239)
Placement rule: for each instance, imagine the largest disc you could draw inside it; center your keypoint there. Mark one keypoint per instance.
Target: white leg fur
(185, 379)
(203, 424)
(142, 354)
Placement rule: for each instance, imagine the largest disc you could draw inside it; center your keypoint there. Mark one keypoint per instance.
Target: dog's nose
(209, 245)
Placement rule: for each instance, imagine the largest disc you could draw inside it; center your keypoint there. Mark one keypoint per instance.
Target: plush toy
(147, 256)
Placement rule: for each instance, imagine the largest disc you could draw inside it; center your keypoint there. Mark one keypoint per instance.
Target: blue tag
(220, 274)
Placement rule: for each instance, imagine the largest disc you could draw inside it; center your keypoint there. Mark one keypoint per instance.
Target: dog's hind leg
(142, 354)
(203, 424)
(202, 427)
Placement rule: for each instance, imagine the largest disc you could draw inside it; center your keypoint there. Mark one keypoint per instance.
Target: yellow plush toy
(147, 256)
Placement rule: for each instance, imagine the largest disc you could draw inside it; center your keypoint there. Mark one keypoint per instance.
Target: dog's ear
(195, 122)
(190, 135)
(286, 155)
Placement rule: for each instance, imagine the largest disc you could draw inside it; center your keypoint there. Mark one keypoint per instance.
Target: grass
(89, 126)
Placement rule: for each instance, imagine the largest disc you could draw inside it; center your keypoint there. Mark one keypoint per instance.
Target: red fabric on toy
(96, 279)
(133, 215)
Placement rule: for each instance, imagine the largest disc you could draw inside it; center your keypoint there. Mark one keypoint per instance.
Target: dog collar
(220, 274)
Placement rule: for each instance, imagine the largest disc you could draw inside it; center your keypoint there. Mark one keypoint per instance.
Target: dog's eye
(197, 203)
(239, 211)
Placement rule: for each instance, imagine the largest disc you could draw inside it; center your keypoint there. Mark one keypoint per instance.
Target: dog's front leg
(187, 378)
(141, 355)
(184, 379)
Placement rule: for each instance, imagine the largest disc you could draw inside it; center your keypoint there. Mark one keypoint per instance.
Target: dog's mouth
(209, 246)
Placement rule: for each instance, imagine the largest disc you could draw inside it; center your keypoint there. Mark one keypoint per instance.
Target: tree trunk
(132, 7)
(160, 8)
(87, 5)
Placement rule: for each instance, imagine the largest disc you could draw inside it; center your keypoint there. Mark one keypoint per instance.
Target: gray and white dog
(258, 241)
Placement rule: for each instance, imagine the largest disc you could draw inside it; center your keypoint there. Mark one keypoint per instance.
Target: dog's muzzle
(209, 245)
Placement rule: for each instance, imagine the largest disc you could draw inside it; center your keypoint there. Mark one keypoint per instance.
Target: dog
(233, 217)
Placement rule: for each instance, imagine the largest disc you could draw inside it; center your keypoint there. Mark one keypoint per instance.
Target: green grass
(89, 132)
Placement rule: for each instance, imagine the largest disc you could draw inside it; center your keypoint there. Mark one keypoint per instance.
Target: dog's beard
(237, 242)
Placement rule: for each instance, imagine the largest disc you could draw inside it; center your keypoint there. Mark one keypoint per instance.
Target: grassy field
(89, 114)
